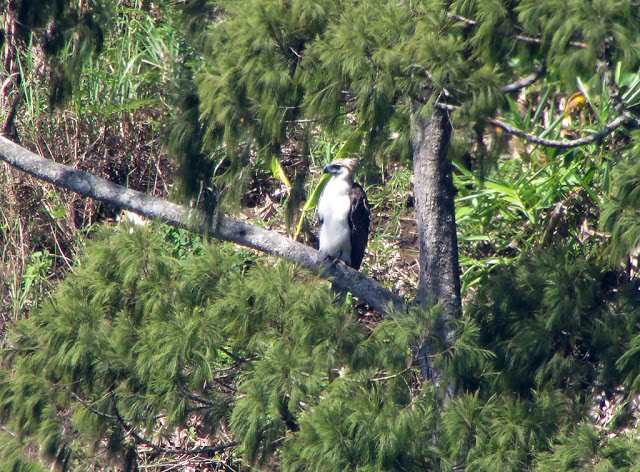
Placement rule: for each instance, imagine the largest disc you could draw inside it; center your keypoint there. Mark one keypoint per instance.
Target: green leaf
(278, 172)
(312, 202)
(583, 88)
(352, 144)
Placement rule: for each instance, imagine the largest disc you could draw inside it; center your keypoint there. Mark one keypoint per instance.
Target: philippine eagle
(343, 212)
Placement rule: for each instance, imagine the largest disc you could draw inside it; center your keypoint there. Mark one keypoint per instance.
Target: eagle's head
(341, 167)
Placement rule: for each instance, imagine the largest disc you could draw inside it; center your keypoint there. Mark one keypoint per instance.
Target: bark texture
(225, 228)
(435, 214)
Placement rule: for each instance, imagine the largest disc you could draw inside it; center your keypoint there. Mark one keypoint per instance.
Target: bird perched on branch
(343, 211)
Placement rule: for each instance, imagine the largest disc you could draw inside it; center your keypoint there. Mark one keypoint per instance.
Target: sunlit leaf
(278, 172)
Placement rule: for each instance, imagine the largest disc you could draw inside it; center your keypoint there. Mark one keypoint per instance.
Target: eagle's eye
(332, 169)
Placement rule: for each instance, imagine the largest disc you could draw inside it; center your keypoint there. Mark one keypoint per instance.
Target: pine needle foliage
(13, 457)
(620, 214)
(137, 338)
(555, 321)
(145, 339)
(118, 340)
(584, 448)
(270, 65)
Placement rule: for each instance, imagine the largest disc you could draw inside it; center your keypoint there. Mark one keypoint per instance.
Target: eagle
(343, 212)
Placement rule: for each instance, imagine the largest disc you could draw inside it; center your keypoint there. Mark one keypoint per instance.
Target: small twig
(233, 356)
(295, 52)
(446, 106)
(162, 178)
(93, 145)
(195, 398)
(391, 376)
(524, 81)
(168, 450)
(528, 39)
(319, 119)
(462, 19)
(9, 123)
(85, 404)
(219, 382)
(134, 434)
(525, 39)
(603, 133)
(308, 120)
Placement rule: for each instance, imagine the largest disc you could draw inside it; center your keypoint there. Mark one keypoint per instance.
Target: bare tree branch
(508, 88)
(616, 95)
(595, 137)
(533, 40)
(168, 450)
(142, 440)
(518, 37)
(86, 404)
(524, 81)
(225, 228)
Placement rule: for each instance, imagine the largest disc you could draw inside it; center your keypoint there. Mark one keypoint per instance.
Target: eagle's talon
(324, 257)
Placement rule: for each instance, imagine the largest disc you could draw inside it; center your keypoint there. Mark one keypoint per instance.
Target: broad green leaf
(312, 202)
(479, 237)
(583, 88)
(633, 92)
(278, 172)
(542, 106)
(351, 145)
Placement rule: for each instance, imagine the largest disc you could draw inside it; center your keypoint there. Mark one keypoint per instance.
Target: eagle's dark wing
(358, 224)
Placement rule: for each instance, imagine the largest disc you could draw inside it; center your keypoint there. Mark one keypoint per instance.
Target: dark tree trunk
(10, 97)
(435, 214)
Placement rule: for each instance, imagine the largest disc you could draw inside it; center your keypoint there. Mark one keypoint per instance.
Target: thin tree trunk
(435, 214)
(10, 97)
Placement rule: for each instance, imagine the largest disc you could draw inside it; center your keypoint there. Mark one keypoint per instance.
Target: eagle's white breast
(333, 209)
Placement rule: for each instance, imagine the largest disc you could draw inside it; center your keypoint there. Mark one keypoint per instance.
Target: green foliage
(502, 432)
(582, 448)
(391, 199)
(60, 26)
(523, 206)
(13, 458)
(139, 334)
(31, 286)
(157, 332)
(514, 197)
(250, 85)
(104, 342)
(365, 425)
(614, 24)
(556, 320)
(620, 214)
(137, 338)
(269, 64)
(183, 243)
(141, 56)
(369, 416)
(146, 326)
